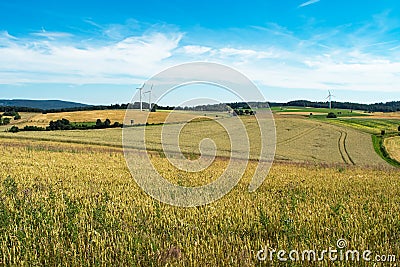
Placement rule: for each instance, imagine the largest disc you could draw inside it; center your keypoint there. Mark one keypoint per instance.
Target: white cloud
(248, 54)
(44, 61)
(196, 49)
(52, 35)
(315, 63)
(309, 3)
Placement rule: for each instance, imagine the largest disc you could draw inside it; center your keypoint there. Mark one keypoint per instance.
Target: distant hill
(53, 106)
(41, 104)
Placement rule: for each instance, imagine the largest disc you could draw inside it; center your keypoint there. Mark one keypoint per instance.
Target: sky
(99, 52)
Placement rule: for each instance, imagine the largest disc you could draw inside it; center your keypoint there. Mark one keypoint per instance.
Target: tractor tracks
(297, 136)
(343, 149)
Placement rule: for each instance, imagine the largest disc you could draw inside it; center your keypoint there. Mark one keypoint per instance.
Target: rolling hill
(40, 104)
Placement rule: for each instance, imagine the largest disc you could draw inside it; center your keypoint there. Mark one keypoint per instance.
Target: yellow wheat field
(298, 140)
(392, 146)
(139, 117)
(77, 205)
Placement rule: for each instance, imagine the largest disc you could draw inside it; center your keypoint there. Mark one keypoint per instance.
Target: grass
(317, 112)
(83, 208)
(373, 126)
(85, 123)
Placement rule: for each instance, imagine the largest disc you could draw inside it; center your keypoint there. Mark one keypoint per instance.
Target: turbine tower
(149, 92)
(330, 99)
(140, 95)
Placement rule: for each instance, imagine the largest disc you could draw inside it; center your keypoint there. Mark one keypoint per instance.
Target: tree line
(65, 124)
(376, 107)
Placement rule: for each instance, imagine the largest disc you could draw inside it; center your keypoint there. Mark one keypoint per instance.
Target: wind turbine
(140, 95)
(149, 92)
(330, 99)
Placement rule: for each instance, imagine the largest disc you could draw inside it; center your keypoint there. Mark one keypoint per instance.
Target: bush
(33, 128)
(10, 113)
(62, 124)
(14, 129)
(99, 123)
(6, 121)
(65, 124)
(331, 115)
(383, 132)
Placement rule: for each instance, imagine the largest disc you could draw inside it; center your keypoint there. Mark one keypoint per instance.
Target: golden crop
(392, 146)
(76, 205)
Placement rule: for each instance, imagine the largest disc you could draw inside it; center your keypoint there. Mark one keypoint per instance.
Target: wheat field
(298, 140)
(392, 146)
(74, 205)
(69, 199)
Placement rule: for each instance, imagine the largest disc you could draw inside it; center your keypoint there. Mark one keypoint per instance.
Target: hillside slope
(40, 104)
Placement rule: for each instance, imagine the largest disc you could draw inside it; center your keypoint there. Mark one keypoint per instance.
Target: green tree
(99, 123)
(6, 121)
(14, 129)
(331, 115)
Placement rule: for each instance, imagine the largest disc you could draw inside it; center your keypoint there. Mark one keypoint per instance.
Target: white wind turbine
(149, 92)
(140, 95)
(330, 99)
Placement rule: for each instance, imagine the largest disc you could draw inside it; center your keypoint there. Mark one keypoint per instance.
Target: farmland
(298, 140)
(392, 145)
(37, 119)
(68, 197)
(77, 206)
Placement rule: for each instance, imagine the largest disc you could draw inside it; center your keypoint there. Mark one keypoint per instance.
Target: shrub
(11, 113)
(331, 115)
(33, 128)
(99, 123)
(14, 129)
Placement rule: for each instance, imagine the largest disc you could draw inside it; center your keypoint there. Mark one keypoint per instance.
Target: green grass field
(318, 112)
(373, 126)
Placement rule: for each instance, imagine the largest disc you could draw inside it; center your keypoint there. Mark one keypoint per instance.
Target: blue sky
(98, 52)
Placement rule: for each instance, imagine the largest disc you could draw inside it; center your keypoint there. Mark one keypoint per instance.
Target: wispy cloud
(54, 61)
(309, 3)
(343, 56)
(52, 35)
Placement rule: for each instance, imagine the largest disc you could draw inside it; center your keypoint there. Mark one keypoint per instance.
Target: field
(370, 125)
(43, 120)
(393, 147)
(69, 199)
(298, 140)
(306, 111)
(77, 206)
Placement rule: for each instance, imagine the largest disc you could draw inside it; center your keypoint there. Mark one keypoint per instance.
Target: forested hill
(377, 107)
(382, 107)
(39, 104)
